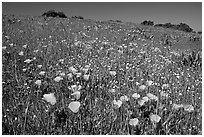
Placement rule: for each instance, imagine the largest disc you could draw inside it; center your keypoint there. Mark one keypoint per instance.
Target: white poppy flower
(117, 103)
(165, 86)
(42, 73)
(69, 76)
(188, 108)
(142, 87)
(152, 97)
(25, 46)
(74, 106)
(38, 82)
(136, 96)
(62, 74)
(177, 106)
(50, 98)
(24, 69)
(86, 69)
(58, 78)
(76, 95)
(124, 98)
(163, 94)
(112, 90)
(39, 66)
(141, 102)
(61, 60)
(73, 70)
(75, 88)
(86, 77)
(113, 73)
(21, 53)
(149, 83)
(145, 98)
(137, 83)
(78, 74)
(133, 121)
(27, 61)
(155, 118)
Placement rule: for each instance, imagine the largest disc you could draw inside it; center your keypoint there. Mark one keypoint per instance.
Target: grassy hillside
(71, 76)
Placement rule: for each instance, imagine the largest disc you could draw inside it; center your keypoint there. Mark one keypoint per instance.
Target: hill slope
(98, 64)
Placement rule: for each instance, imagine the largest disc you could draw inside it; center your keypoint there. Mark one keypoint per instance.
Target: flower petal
(74, 106)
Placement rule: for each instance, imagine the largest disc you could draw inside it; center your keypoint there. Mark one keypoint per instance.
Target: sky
(137, 12)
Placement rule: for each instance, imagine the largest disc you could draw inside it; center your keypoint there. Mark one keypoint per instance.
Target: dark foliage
(148, 23)
(181, 26)
(199, 32)
(53, 13)
(78, 17)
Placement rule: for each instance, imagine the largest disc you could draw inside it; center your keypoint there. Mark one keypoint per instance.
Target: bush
(78, 17)
(199, 32)
(148, 23)
(184, 27)
(181, 26)
(53, 13)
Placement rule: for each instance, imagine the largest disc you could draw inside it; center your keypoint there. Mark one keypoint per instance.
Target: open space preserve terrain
(81, 76)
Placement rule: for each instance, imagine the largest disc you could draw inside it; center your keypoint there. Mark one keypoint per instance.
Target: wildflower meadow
(69, 76)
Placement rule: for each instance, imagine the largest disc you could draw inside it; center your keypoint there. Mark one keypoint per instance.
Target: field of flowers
(86, 77)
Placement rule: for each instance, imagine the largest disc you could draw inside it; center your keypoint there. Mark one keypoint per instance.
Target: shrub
(78, 17)
(181, 26)
(148, 23)
(199, 32)
(53, 13)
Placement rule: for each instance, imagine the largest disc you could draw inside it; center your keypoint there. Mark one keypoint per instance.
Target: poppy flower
(24, 69)
(86, 69)
(61, 60)
(25, 46)
(86, 77)
(50, 98)
(113, 73)
(73, 70)
(145, 98)
(188, 108)
(163, 94)
(149, 83)
(141, 102)
(38, 82)
(117, 103)
(137, 83)
(165, 86)
(76, 95)
(133, 121)
(27, 61)
(62, 74)
(112, 90)
(78, 74)
(58, 78)
(152, 97)
(177, 106)
(42, 73)
(39, 66)
(155, 118)
(124, 98)
(69, 76)
(74, 106)
(21, 53)
(75, 88)
(142, 87)
(136, 96)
